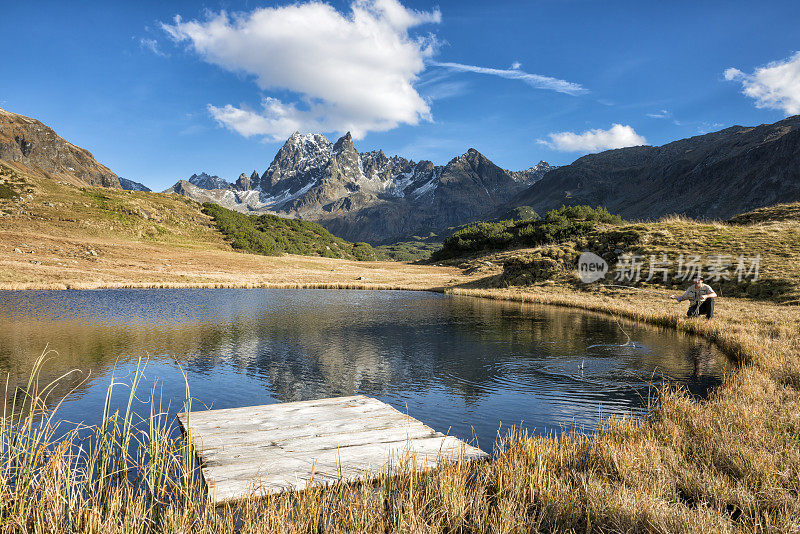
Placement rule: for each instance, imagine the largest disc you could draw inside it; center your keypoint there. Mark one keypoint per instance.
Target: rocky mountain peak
(306, 142)
(533, 174)
(345, 143)
(347, 160)
(243, 183)
(205, 181)
(470, 158)
(248, 183)
(29, 142)
(298, 156)
(303, 145)
(370, 195)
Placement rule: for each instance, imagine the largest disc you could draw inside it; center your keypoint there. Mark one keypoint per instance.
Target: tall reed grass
(63, 477)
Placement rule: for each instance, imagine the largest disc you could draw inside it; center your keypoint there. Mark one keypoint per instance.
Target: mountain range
(711, 176)
(366, 196)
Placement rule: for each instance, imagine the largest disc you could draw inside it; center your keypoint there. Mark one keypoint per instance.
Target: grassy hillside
(271, 235)
(55, 234)
(535, 255)
(39, 203)
(557, 225)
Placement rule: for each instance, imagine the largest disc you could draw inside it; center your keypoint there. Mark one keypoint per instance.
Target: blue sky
(157, 99)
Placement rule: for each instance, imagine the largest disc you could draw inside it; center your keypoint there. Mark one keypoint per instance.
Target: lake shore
(45, 262)
(730, 463)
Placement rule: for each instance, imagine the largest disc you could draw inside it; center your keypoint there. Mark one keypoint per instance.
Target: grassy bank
(55, 235)
(730, 464)
(657, 255)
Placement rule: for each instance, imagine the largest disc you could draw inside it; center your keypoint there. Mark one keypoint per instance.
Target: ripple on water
(459, 364)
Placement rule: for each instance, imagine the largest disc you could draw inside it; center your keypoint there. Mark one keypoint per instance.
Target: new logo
(591, 267)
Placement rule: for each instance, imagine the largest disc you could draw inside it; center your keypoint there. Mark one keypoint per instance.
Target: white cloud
(774, 86)
(442, 90)
(618, 136)
(707, 127)
(662, 114)
(352, 71)
(534, 80)
(152, 46)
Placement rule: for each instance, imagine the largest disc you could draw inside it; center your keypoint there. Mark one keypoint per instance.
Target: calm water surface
(459, 364)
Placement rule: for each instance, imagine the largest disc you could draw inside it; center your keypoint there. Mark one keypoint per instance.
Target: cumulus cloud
(347, 71)
(774, 86)
(618, 136)
(514, 73)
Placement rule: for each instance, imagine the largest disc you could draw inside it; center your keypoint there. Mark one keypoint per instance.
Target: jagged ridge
(366, 196)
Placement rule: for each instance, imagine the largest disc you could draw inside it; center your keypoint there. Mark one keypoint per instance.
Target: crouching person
(701, 297)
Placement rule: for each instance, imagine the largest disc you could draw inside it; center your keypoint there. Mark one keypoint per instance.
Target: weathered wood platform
(280, 447)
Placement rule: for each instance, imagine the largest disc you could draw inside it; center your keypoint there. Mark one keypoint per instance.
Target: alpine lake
(465, 366)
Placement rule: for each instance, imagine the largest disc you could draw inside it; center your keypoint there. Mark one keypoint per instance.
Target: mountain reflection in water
(461, 365)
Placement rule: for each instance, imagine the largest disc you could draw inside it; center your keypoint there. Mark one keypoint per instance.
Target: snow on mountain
(204, 181)
(130, 185)
(365, 196)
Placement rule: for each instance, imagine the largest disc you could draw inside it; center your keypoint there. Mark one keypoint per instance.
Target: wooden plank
(226, 434)
(280, 447)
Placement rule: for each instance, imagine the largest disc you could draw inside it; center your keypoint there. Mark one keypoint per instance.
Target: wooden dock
(280, 447)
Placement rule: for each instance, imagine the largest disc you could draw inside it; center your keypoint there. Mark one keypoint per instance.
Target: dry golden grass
(675, 218)
(92, 238)
(729, 464)
(136, 264)
(777, 241)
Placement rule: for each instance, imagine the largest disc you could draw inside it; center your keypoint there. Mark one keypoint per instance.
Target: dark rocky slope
(29, 142)
(712, 176)
(130, 185)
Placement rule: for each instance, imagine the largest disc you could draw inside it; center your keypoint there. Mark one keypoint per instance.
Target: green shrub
(562, 224)
(364, 252)
(7, 192)
(271, 235)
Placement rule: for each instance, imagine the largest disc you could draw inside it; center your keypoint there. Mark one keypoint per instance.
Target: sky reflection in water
(461, 365)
